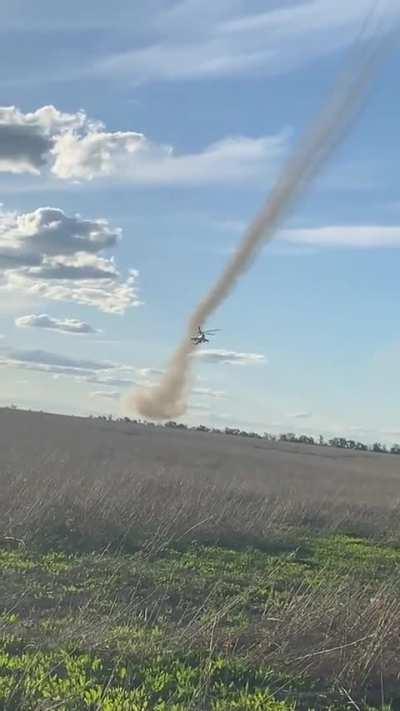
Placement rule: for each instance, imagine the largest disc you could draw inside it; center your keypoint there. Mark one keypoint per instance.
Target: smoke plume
(169, 398)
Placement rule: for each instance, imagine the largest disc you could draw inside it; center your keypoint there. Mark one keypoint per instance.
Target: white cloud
(75, 148)
(48, 231)
(49, 255)
(81, 266)
(26, 140)
(94, 155)
(69, 145)
(199, 40)
(209, 392)
(197, 407)
(345, 236)
(150, 372)
(67, 325)
(106, 295)
(106, 394)
(229, 357)
(138, 161)
(191, 60)
(300, 415)
(37, 359)
(110, 381)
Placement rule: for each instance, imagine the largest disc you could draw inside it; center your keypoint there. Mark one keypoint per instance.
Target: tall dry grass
(343, 632)
(154, 512)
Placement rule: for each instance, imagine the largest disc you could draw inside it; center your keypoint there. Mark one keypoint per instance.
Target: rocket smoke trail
(169, 398)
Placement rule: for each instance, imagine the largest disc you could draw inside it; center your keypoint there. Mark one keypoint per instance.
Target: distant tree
(287, 437)
(175, 425)
(321, 441)
(361, 446)
(340, 442)
(395, 449)
(305, 439)
(378, 447)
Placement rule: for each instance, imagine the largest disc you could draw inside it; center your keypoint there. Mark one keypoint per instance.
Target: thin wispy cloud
(49, 362)
(209, 392)
(67, 325)
(46, 16)
(345, 236)
(150, 372)
(300, 415)
(226, 357)
(106, 394)
(109, 381)
(198, 39)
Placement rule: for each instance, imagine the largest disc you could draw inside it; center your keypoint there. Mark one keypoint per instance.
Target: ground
(122, 588)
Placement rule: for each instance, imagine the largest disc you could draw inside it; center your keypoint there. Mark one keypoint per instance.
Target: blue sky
(135, 147)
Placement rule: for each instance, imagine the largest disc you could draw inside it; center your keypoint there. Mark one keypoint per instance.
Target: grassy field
(141, 571)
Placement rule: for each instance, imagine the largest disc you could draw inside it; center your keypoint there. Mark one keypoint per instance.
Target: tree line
(321, 441)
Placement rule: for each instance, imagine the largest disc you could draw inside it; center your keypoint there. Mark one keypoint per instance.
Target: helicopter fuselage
(200, 339)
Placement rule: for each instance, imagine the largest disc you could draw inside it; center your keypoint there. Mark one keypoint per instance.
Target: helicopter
(202, 336)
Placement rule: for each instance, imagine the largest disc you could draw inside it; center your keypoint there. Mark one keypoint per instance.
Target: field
(148, 569)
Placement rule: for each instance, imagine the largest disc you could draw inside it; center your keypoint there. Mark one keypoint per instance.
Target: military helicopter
(202, 335)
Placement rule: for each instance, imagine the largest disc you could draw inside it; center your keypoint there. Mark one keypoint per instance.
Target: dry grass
(337, 620)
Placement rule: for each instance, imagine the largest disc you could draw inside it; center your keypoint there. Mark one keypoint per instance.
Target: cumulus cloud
(47, 254)
(26, 140)
(74, 147)
(229, 357)
(70, 145)
(67, 325)
(97, 154)
(49, 231)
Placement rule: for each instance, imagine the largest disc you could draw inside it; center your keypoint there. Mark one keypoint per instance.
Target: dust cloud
(169, 397)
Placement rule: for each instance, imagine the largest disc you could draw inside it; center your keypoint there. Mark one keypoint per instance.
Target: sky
(137, 142)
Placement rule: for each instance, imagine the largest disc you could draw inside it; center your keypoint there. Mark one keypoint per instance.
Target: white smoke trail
(169, 398)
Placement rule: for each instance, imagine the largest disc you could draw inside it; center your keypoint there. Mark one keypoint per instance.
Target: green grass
(197, 627)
